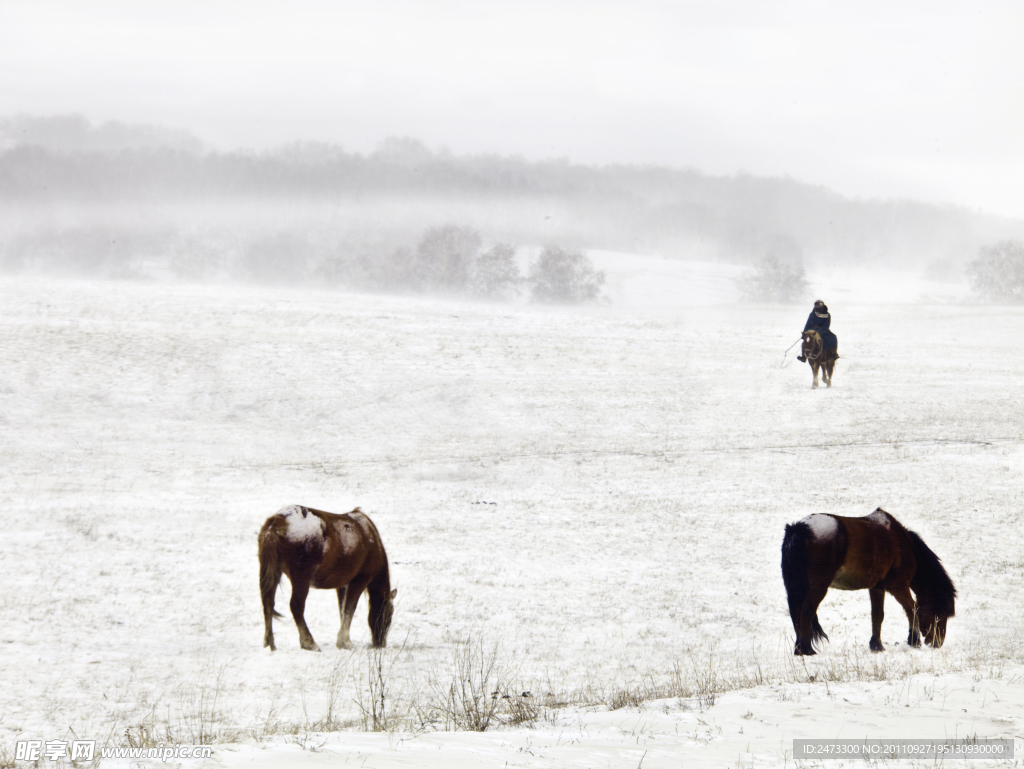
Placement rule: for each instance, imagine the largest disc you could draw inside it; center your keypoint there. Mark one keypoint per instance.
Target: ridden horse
(325, 550)
(818, 356)
(873, 553)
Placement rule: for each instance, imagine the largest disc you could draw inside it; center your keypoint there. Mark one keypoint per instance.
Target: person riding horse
(819, 321)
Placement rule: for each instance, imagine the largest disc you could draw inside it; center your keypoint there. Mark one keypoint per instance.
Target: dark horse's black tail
(794, 575)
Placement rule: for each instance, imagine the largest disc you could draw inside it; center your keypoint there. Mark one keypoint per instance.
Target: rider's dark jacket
(819, 321)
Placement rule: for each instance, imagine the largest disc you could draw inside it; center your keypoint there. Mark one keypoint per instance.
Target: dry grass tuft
(477, 688)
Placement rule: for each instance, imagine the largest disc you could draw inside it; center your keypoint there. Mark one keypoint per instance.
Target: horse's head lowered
(933, 609)
(936, 595)
(932, 625)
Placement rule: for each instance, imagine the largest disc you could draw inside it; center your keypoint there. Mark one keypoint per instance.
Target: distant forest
(120, 200)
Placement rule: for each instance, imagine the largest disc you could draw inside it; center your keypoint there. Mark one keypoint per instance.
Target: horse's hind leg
(348, 599)
(877, 614)
(809, 629)
(906, 600)
(268, 622)
(346, 621)
(300, 589)
(829, 368)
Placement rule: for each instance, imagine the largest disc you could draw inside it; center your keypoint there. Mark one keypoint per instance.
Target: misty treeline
(120, 200)
(450, 260)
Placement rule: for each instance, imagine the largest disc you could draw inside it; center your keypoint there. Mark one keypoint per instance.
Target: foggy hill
(66, 185)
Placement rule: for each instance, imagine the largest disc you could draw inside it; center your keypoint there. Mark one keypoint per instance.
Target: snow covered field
(596, 496)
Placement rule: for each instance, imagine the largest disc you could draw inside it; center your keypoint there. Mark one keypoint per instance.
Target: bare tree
(561, 276)
(497, 274)
(998, 272)
(774, 280)
(445, 257)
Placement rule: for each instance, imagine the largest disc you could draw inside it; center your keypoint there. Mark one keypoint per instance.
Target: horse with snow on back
(874, 553)
(325, 550)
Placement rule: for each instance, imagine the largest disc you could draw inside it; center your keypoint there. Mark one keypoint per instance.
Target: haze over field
(125, 201)
(313, 144)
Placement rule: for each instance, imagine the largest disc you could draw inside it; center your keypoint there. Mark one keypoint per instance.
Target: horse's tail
(270, 561)
(817, 634)
(930, 583)
(795, 562)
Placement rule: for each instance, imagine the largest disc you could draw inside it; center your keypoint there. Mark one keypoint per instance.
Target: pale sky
(872, 99)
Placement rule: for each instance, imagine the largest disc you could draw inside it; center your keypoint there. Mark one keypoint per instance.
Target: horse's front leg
(877, 615)
(906, 600)
(300, 589)
(348, 598)
(814, 368)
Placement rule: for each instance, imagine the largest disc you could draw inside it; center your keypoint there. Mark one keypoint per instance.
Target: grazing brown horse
(818, 356)
(325, 550)
(873, 553)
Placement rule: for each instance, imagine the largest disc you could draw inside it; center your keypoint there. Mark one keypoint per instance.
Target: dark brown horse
(325, 550)
(818, 356)
(873, 553)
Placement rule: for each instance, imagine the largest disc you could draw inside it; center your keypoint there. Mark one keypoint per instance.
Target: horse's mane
(930, 582)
